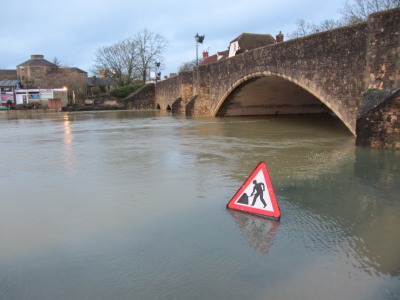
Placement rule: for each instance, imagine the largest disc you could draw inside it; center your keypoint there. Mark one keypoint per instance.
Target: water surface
(131, 205)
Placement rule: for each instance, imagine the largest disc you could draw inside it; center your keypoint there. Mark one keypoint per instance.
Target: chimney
(279, 37)
(36, 56)
(205, 54)
(102, 73)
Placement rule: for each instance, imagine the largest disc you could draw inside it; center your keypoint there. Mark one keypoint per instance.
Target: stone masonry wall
(200, 103)
(177, 88)
(380, 127)
(383, 57)
(186, 91)
(167, 91)
(141, 99)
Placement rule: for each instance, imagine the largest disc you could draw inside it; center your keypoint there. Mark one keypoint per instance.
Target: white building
(25, 96)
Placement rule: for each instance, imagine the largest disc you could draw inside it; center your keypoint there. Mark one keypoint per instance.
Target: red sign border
(276, 214)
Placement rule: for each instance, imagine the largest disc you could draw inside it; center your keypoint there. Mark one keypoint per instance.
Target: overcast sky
(72, 30)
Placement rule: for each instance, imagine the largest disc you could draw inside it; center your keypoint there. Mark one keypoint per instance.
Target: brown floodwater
(132, 205)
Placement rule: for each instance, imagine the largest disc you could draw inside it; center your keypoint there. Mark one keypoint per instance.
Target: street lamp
(199, 39)
(157, 66)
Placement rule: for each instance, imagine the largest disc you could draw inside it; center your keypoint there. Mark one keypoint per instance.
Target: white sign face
(256, 194)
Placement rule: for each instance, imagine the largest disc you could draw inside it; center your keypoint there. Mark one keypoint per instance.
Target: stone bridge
(327, 71)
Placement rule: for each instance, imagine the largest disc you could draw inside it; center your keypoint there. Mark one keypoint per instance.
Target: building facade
(7, 92)
(33, 72)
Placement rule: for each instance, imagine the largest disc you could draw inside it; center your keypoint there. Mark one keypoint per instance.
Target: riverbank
(94, 106)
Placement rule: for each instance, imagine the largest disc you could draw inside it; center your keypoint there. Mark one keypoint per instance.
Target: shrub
(125, 91)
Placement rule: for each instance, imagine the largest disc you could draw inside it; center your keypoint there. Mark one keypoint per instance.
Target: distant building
(41, 96)
(39, 75)
(35, 70)
(7, 92)
(213, 58)
(76, 71)
(249, 41)
(8, 75)
(75, 78)
(38, 72)
(99, 84)
(11, 94)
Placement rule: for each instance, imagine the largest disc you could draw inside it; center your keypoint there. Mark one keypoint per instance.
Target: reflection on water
(258, 231)
(131, 205)
(363, 203)
(68, 154)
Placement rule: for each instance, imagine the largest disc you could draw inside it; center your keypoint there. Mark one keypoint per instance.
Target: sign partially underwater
(256, 196)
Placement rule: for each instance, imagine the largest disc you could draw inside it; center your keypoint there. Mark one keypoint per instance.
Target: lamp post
(199, 39)
(157, 66)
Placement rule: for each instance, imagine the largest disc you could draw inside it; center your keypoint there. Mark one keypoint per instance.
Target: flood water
(132, 205)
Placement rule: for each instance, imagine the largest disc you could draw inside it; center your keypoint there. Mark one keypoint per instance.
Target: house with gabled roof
(35, 69)
(249, 41)
(99, 84)
(213, 58)
(37, 72)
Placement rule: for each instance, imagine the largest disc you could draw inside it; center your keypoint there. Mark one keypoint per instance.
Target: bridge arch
(307, 97)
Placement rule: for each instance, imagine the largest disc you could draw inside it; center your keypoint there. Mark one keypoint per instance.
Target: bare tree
(130, 59)
(329, 24)
(352, 12)
(304, 28)
(149, 47)
(117, 61)
(359, 10)
(57, 62)
(188, 66)
(128, 56)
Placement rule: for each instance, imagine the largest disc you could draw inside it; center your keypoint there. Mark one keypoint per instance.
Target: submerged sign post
(256, 195)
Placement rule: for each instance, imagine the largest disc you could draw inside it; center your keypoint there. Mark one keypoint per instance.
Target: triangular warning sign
(256, 195)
